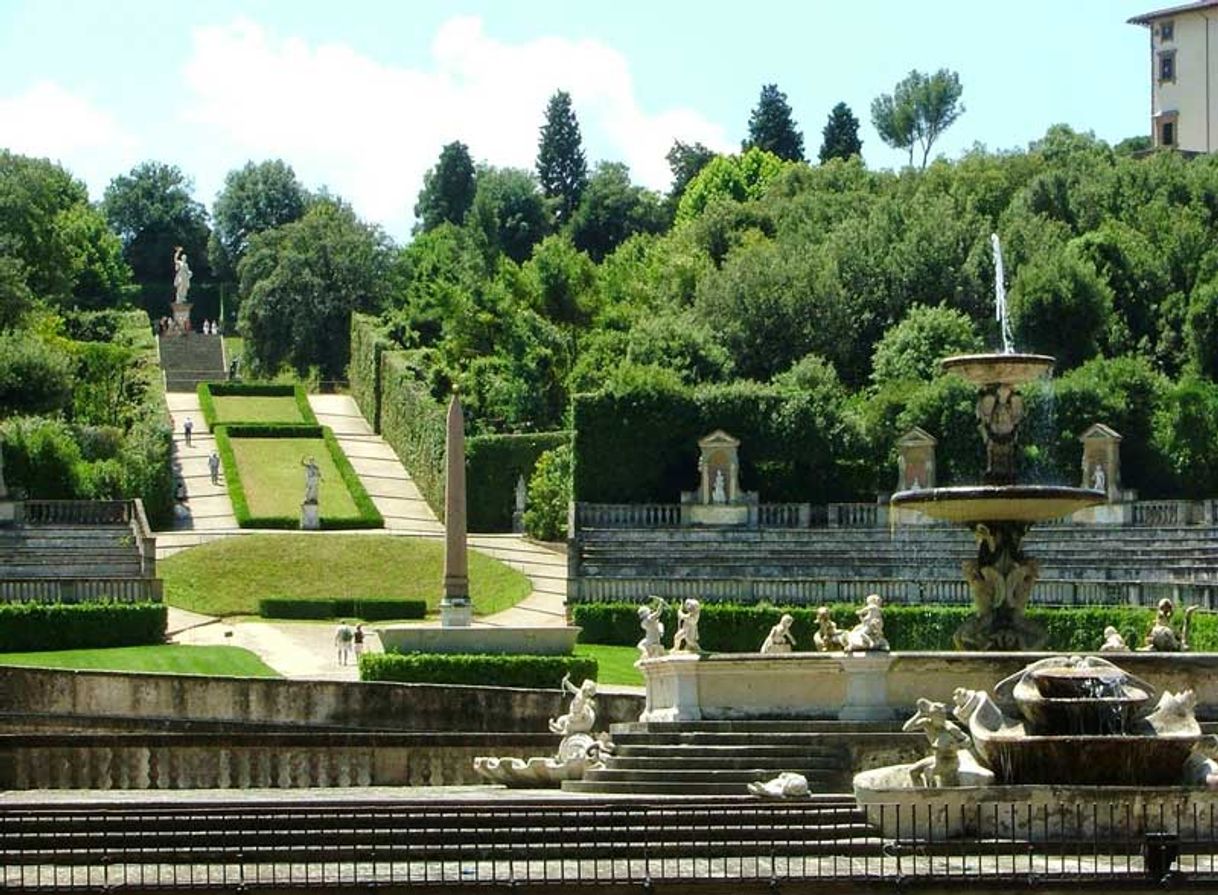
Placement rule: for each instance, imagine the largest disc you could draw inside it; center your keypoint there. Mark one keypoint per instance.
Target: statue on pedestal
(686, 638)
(828, 638)
(181, 275)
(779, 640)
(651, 619)
(312, 479)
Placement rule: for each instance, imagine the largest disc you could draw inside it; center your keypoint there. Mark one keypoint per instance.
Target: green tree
(35, 377)
(918, 111)
(58, 245)
(16, 299)
(561, 167)
(300, 283)
(841, 135)
(913, 348)
(771, 127)
(255, 197)
(612, 210)
(448, 189)
(685, 160)
(1061, 306)
(739, 177)
(510, 211)
(561, 280)
(152, 210)
(549, 495)
(1202, 329)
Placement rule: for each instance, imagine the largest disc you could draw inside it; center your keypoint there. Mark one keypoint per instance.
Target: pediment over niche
(718, 438)
(917, 437)
(1100, 432)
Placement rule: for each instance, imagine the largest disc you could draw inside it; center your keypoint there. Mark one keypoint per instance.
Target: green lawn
(256, 409)
(228, 577)
(273, 478)
(234, 347)
(217, 661)
(615, 664)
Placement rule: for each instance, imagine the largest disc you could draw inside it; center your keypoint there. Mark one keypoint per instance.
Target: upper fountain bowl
(998, 503)
(998, 369)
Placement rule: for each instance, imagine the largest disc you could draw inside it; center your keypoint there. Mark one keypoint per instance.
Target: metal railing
(547, 844)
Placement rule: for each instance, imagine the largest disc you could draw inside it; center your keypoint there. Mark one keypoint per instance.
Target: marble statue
(522, 494)
(780, 640)
(868, 634)
(579, 750)
(787, 785)
(1162, 637)
(686, 638)
(942, 767)
(1113, 641)
(312, 479)
(1099, 481)
(651, 619)
(581, 714)
(719, 489)
(827, 638)
(181, 275)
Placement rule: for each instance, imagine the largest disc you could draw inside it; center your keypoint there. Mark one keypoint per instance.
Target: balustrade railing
(627, 515)
(81, 590)
(854, 515)
(784, 515)
(77, 512)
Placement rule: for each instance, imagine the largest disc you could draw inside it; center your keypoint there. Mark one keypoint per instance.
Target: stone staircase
(720, 758)
(69, 551)
(190, 359)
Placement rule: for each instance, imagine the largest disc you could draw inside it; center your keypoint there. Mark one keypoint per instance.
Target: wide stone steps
(191, 359)
(771, 763)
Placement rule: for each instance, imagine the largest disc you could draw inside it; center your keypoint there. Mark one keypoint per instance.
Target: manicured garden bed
(217, 661)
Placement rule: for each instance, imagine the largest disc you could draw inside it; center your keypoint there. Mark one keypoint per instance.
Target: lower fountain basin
(998, 503)
(1088, 760)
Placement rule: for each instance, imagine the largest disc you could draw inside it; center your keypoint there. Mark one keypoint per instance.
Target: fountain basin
(1088, 760)
(1094, 701)
(998, 503)
(998, 369)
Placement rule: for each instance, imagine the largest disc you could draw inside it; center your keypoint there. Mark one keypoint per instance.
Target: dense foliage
(476, 669)
(28, 627)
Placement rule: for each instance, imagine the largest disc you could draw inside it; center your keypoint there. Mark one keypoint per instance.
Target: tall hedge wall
(642, 446)
(493, 463)
(368, 342)
(413, 424)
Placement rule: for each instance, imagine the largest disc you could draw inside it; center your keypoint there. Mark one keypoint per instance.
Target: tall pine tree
(771, 127)
(561, 168)
(448, 189)
(841, 135)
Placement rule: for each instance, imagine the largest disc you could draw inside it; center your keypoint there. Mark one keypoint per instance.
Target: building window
(1167, 133)
(1167, 66)
(1167, 31)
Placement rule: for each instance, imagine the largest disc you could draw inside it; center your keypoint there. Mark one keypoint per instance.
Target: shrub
(493, 463)
(34, 376)
(368, 342)
(370, 609)
(41, 459)
(27, 627)
(550, 495)
(475, 669)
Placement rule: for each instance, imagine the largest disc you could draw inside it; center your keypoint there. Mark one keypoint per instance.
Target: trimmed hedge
(479, 670)
(340, 607)
(368, 342)
(414, 425)
(209, 390)
(30, 627)
(732, 628)
(369, 515)
(493, 463)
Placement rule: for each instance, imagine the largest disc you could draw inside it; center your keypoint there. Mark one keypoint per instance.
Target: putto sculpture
(780, 639)
(1162, 637)
(827, 639)
(686, 638)
(868, 634)
(1113, 641)
(579, 750)
(651, 619)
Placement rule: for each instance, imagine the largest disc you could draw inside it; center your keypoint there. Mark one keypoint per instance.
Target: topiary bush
(29, 627)
(369, 609)
(479, 670)
(550, 495)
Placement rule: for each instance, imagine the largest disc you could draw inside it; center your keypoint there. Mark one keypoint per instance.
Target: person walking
(342, 639)
(358, 639)
(213, 466)
(188, 426)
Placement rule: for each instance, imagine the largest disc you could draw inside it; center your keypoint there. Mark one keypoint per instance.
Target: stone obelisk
(455, 608)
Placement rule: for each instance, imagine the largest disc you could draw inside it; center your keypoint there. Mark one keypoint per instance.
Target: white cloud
(369, 130)
(49, 121)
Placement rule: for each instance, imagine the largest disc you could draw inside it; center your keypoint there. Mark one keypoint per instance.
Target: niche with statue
(719, 500)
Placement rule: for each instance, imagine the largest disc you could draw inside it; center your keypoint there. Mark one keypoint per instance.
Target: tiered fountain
(1000, 511)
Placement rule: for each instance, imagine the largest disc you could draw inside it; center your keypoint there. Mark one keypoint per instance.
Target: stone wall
(81, 698)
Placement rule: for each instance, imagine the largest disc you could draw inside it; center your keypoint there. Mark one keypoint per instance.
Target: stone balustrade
(81, 590)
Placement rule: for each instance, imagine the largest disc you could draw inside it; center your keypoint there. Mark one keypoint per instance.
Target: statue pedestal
(310, 517)
(715, 514)
(9, 511)
(456, 614)
(181, 314)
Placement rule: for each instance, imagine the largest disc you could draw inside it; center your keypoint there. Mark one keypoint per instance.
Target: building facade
(1183, 80)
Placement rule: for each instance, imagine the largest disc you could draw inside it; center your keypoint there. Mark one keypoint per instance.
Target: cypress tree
(771, 127)
(448, 189)
(841, 135)
(561, 168)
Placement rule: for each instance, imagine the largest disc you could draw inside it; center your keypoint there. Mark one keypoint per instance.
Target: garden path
(207, 507)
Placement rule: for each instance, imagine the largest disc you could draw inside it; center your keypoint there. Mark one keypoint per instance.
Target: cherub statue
(1162, 638)
(581, 714)
(827, 638)
(651, 619)
(686, 638)
(1113, 641)
(942, 767)
(780, 640)
(868, 634)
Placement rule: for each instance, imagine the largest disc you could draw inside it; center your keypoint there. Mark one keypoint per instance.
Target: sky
(359, 96)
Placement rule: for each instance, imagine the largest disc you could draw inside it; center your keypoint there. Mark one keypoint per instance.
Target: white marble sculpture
(780, 639)
(868, 634)
(686, 638)
(1162, 637)
(312, 479)
(828, 639)
(651, 619)
(719, 490)
(787, 785)
(579, 750)
(1099, 481)
(181, 275)
(1113, 641)
(942, 767)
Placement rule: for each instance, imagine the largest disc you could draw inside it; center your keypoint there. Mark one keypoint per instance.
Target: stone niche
(719, 500)
(1101, 470)
(916, 460)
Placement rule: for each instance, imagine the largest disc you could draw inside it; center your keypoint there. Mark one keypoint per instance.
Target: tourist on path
(188, 426)
(358, 639)
(342, 639)
(213, 466)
